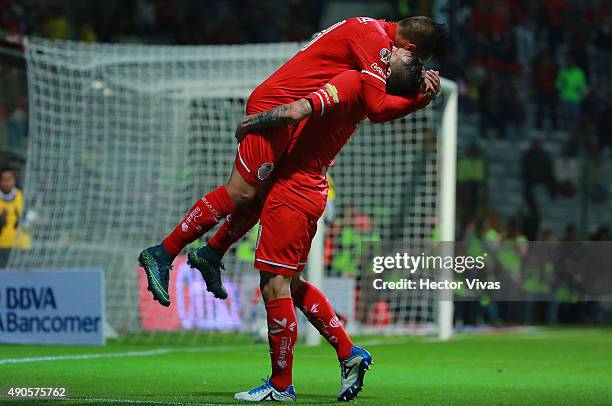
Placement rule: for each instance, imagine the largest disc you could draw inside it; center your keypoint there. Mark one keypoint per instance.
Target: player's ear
(410, 47)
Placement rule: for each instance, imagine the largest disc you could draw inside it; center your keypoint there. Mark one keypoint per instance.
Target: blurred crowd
(164, 21)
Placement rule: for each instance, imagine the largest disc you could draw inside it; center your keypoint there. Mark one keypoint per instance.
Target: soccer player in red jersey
(324, 121)
(363, 44)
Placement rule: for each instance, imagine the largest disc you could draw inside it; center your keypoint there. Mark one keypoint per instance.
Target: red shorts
(284, 238)
(259, 153)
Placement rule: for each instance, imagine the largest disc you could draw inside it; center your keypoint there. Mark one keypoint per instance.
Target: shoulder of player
(348, 81)
(350, 75)
(366, 26)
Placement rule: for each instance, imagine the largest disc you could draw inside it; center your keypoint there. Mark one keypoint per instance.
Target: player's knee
(296, 284)
(247, 195)
(240, 191)
(241, 195)
(274, 286)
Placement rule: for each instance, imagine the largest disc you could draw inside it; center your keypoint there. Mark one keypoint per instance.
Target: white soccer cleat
(352, 371)
(267, 393)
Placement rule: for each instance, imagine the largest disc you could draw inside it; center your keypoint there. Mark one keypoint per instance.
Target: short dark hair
(406, 78)
(429, 37)
(7, 169)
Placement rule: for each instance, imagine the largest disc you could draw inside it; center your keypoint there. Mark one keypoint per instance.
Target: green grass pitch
(550, 367)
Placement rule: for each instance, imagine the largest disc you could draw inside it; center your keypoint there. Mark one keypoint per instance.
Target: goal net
(123, 139)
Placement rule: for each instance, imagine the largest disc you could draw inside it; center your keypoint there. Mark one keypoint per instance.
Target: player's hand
(242, 129)
(432, 82)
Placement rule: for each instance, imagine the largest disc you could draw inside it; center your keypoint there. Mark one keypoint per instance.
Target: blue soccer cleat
(267, 393)
(352, 371)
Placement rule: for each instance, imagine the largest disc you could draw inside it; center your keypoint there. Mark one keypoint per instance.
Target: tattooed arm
(290, 113)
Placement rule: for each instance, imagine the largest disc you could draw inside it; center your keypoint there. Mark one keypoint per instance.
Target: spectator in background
(471, 181)
(552, 18)
(544, 77)
(572, 86)
(492, 114)
(524, 34)
(538, 279)
(537, 168)
(11, 209)
(57, 25)
(87, 32)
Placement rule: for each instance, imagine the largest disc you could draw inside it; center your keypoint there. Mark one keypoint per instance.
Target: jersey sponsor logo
(192, 216)
(333, 92)
(379, 70)
(285, 349)
(385, 56)
(212, 210)
(334, 322)
(265, 170)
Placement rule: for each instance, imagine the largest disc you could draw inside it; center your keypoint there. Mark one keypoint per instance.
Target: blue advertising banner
(52, 307)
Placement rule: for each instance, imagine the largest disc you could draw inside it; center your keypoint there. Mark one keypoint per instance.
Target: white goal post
(446, 207)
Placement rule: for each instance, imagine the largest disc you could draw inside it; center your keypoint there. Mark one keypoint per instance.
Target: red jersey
(338, 107)
(363, 44)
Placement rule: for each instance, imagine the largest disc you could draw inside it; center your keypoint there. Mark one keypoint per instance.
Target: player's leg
(282, 335)
(254, 162)
(314, 304)
(239, 222)
(256, 158)
(203, 215)
(281, 241)
(208, 259)
(209, 210)
(354, 361)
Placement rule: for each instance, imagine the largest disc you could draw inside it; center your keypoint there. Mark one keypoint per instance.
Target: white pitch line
(133, 401)
(158, 351)
(86, 356)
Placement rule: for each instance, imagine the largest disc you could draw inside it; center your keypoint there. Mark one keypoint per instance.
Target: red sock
(203, 216)
(235, 226)
(282, 333)
(315, 306)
